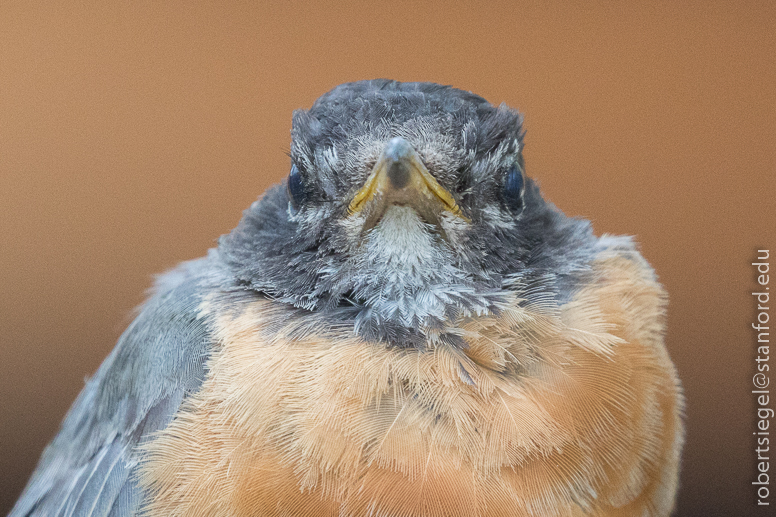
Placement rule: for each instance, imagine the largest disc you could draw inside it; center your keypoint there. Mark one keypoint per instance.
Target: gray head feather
(402, 281)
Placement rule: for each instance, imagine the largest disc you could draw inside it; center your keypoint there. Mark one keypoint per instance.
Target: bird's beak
(400, 178)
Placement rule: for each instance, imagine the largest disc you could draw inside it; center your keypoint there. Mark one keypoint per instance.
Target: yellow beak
(400, 178)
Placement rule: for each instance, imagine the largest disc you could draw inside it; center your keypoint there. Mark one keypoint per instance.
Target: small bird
(404, 327)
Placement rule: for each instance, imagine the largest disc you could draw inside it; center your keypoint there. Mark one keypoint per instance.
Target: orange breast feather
(566, 412)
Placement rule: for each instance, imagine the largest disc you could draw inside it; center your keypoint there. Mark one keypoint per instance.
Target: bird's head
(406, 210)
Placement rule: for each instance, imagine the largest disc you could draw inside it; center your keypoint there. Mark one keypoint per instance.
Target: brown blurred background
(133, 135)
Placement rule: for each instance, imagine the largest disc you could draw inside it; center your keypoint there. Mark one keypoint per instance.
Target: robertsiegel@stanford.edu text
(761, 379)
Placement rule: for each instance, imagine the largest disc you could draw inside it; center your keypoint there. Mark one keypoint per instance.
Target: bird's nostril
(399, 174)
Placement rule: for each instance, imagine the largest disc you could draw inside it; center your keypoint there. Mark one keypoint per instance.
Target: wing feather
(88, 469)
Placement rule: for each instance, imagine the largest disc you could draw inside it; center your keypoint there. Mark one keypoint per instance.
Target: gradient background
(133, 135)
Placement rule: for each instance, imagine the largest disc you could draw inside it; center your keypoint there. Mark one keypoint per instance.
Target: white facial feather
(404, 270)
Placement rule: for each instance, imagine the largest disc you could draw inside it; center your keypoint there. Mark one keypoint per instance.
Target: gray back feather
(89, 467)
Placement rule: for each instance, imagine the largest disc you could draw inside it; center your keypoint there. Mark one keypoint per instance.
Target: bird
(405, 326)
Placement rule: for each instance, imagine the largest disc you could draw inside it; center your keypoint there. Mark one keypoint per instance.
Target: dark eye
(513, 187)
(295, 186)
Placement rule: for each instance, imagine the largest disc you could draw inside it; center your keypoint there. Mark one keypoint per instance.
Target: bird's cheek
(352, 230)
(454, 229)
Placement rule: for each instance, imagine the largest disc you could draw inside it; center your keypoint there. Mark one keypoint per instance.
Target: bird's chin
(404, 274)
(404, 225)
(403, 232)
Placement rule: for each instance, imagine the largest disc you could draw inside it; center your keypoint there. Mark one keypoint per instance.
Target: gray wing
(88, 469)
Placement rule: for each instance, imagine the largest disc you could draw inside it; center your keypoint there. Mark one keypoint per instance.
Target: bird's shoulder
(157, 362)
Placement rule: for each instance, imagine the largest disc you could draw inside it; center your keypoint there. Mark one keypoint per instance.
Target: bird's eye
(295, 186)
(513, 187)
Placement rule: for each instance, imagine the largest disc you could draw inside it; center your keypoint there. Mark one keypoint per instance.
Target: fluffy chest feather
(566, 412)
